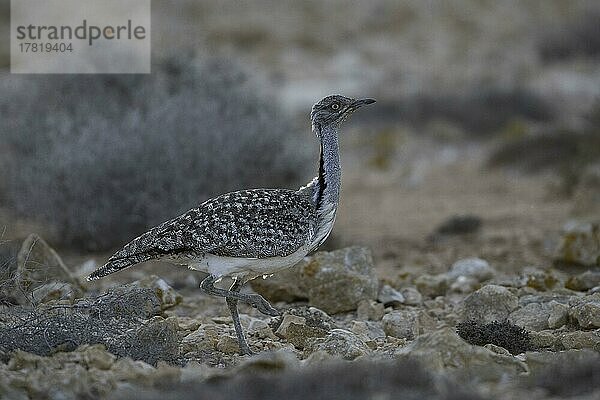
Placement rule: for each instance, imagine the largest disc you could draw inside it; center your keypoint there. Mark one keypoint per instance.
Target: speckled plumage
(256, 223)
(246, 233)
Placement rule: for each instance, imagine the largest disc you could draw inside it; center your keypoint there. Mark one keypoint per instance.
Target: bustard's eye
(335, 106)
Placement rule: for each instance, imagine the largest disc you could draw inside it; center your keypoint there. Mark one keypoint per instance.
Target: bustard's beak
(362, 102)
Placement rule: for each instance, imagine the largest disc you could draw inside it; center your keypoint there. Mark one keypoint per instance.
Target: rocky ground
(472, 331)
(465, 260)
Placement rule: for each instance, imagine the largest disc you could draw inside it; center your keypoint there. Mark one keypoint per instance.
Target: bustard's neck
(327, 190)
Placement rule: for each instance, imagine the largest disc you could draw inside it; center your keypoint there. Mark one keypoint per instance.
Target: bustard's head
(334, 109)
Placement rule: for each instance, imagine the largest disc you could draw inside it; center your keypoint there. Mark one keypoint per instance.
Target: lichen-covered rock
(228, 344)
(445, 350)
(312, 315)
(579, 244)
(543, 340)
(285, 323)
(390, 296)
(558, 314)
(167, 296)
(401, 324)
(533, 317)
(337, 281)
(490, 303)
(334, 281)
(581, 340)
(205, 337)
(367, 330)
(302, 325)
(301, 335)
(340, 343)
(586, 311)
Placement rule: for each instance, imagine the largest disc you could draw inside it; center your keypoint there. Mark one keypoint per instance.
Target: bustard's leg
(255, 300)
(233, 309)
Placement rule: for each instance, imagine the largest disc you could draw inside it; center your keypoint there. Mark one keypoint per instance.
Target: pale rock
(490, 303)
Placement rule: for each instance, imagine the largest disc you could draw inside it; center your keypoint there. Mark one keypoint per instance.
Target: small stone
(96, 356)
(167, 296)
(497, 349)
(475, 268)
(341, 343)
(301, 326)
(285, 323)
(432, 285)
(490, 303)
(367, 330)
(412, 297)
(543, 340)
(584, 281)
(389, 296)
(204, 338)
(300, 335)
(312, 315)
(581, 340)
(131, 371)
(558, 314)
(228, 344)
(579, 244)
(401, 324)
(533, 317)
(337, 281)
(370, 310)
(333, 281)
(444, 350)
(188, 324)
(586, 311)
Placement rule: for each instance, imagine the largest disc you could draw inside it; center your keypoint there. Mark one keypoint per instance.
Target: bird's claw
(264, 307)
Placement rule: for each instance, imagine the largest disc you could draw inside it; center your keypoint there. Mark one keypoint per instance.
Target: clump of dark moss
(513, 338)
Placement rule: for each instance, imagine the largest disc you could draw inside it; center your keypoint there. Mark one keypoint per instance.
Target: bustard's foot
(263, 306)
(245, 349)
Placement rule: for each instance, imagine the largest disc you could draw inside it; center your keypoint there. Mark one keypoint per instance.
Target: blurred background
(483, 142)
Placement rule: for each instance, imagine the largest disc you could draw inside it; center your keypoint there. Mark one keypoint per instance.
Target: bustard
(250, 233)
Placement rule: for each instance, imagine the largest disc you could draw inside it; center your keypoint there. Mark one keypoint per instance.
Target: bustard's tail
(117, 264)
